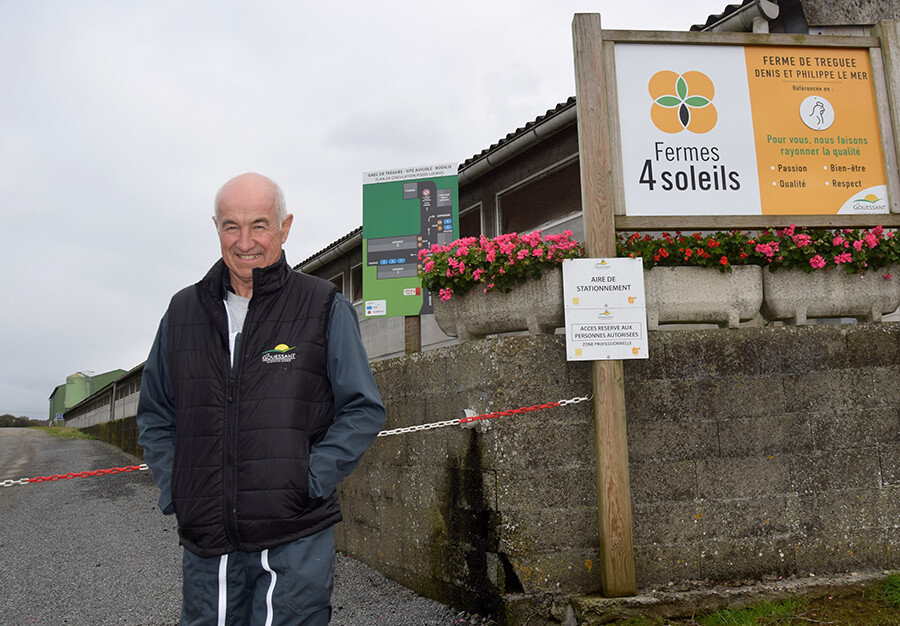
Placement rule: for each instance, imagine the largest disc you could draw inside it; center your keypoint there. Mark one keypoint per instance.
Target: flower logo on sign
(682, 101)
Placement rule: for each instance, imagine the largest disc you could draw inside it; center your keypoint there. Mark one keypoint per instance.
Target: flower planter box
(702, 295)
(536, 306)
(795, 296)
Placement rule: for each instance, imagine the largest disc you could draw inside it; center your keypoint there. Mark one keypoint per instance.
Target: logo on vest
(279, 354)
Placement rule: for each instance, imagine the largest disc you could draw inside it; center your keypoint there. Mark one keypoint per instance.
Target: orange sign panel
(814, 126)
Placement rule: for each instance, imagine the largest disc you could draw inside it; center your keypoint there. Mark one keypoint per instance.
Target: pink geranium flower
(497, 263)
(843, 258)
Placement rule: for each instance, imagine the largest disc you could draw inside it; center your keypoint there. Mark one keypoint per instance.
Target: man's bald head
(252, 224)
(252, 183)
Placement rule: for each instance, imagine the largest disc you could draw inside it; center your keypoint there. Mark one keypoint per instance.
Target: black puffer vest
(240, 473)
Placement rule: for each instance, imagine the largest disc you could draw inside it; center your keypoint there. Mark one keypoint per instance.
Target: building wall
(57, 401)
(526, 168)
(115, 401)
(95, 411)
(753, 452)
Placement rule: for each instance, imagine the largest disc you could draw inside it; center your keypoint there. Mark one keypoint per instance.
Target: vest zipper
(229, 464)
(229, 445)
(232, 402)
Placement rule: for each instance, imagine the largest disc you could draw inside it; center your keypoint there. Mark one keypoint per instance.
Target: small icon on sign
(631, 299)
(817, 113)
(634, 351)
(577, 351)
(576, 301)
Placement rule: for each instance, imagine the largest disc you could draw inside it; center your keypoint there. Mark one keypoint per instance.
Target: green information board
(404, 210)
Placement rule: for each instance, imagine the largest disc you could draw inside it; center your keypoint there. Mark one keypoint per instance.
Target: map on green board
(404, 210)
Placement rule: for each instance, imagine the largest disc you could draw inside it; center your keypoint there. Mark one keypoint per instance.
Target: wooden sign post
(610, 437)
(412, 334)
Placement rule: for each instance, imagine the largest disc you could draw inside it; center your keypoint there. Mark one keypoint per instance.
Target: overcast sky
(120, 120)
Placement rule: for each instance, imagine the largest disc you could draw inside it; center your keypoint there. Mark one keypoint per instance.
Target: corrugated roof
(712, 19)
(333, 244)
(559, 108)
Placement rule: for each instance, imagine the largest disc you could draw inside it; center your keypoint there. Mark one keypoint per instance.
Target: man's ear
(286, 226)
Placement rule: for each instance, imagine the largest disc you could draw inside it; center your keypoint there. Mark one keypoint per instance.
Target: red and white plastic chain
(70, 475)
(483, 416)
(383, 433)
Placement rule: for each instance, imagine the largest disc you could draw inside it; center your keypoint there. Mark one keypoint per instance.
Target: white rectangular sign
(748, 130)
(605, 308)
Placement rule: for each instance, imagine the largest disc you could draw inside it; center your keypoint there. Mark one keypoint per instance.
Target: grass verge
(63, 431)
(874, 605)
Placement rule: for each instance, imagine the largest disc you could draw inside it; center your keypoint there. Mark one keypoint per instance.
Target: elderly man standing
(256, 400)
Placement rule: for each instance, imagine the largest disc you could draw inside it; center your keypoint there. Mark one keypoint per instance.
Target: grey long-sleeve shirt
(358, 411)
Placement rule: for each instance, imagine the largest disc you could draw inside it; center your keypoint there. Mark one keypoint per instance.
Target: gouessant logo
(282, 348)
(279, 354)
(870, 198)
(682, 101)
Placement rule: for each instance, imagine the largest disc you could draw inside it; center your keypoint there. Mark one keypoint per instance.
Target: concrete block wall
(753, 452)
(765, 451)
(470, 515)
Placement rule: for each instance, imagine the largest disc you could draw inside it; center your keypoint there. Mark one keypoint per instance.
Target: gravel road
(96, 550)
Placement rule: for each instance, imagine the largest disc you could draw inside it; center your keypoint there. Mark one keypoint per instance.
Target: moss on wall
(122, 433)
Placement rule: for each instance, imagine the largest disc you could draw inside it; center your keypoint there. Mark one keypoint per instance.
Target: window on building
(356, 281)
(548, 199)
(470, 221)
(339, 281)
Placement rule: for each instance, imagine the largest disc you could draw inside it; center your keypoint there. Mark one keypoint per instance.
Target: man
(256, 400)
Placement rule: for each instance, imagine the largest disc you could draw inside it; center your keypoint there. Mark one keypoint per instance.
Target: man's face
(249, 234)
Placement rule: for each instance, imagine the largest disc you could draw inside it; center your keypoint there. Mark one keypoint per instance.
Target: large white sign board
(605, 308)
(748, 130)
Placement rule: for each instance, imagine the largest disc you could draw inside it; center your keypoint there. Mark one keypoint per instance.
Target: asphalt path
(96, 550)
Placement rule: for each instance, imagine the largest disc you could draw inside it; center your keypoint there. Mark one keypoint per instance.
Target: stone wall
(120, 432)
(765, 451)
(753, 452)
(468, 515)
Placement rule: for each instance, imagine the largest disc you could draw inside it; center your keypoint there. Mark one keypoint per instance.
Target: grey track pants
(287, 585)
